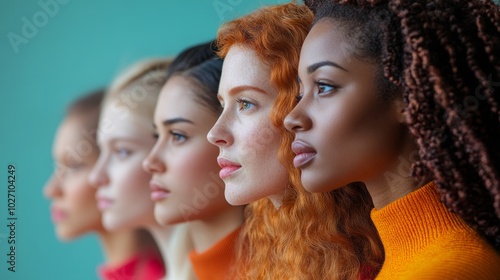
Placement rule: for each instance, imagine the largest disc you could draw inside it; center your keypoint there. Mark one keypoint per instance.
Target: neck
(120, 246)
(396, 181)
(175, 244)
(277, 199)
(208, 232)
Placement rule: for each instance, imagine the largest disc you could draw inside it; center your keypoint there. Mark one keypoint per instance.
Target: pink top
(148, 267)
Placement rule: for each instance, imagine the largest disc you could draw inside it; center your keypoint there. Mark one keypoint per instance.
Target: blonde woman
(123, 195)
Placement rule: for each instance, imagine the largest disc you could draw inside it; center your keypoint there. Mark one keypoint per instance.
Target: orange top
(423, 240)
(215, 263)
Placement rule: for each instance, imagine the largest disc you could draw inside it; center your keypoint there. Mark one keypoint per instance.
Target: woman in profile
(123, 191)
(400, 95)
(74, 208)
(184, 165)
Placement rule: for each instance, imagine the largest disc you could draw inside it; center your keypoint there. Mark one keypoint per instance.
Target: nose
(98, 177)
(52, 188)
(298, 120)
(153, 163)
(219, 135)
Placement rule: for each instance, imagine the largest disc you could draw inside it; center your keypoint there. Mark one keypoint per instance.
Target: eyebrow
(239, 89)
(172, 121)
(316, 66)
(176, 120)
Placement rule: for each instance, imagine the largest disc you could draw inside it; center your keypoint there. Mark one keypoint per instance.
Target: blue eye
(244, 105)
(178, 137)
(123, 153)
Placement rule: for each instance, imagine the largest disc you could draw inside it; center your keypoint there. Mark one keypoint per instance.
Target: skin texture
(182, 162)
(123, 186)
(73, 203)
(351, 135)
(244, 132)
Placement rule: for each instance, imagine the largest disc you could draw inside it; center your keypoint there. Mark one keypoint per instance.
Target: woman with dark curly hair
(400, 95)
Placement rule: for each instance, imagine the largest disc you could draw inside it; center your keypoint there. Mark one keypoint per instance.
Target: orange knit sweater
(216, 262)
(423, 240)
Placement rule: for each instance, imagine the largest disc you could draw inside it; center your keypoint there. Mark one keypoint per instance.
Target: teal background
(81, 47)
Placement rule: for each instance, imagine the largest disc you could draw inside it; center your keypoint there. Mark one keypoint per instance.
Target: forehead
(119, 121)
(176, 95)
(242, 66)
(326, 41)
(68, 135)
(178, 99)
(72, 136)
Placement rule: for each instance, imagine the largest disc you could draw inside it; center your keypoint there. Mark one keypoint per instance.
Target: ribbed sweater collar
(414, 221)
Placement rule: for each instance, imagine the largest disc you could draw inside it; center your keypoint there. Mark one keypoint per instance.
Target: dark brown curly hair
(444, 56)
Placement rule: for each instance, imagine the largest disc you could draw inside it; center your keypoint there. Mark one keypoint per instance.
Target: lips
(57, 215)
(158, 192)
(227, 167)
(103, 202)
(304, 154)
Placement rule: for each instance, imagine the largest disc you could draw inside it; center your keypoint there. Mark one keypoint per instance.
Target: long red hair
(311, 235)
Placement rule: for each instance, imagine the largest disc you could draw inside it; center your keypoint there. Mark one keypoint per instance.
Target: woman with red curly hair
(400, 95)
(291, 234)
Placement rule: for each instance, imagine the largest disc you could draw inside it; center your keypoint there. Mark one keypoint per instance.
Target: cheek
(130, 178)
(257, 141)
(197, 165)
(80, 195)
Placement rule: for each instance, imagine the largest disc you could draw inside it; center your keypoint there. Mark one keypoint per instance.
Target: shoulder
(460, 255)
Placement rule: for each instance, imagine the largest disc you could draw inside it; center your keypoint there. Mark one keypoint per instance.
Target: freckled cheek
(260, 140)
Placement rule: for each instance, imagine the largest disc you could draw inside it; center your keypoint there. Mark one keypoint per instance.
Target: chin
(235, 199)
(164, 217)
(111, 224)
(67, 235)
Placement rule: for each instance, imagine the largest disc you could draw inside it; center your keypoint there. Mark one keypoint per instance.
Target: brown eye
(325, 88)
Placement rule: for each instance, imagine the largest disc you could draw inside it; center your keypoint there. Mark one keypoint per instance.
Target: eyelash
(123, 153)
(298, 97)
(241, 102)
(323, 84)
(176, 137)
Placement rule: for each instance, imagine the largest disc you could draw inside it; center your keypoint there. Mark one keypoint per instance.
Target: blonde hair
(137, 88)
